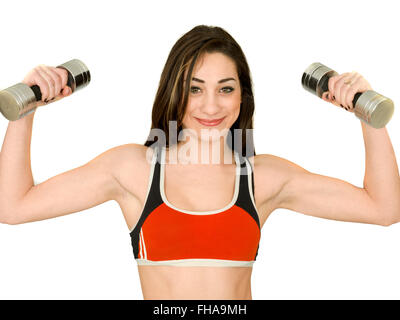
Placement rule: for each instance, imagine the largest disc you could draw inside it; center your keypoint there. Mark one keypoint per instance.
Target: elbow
(385, 223)
(8, 217)
(387, 220)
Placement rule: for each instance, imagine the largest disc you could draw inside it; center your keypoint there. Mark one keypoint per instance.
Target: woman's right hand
(51, 81)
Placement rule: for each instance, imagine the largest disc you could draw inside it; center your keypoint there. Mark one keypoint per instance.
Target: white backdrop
(125, 44)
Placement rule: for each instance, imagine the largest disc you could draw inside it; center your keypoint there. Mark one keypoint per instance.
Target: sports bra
(227, 237)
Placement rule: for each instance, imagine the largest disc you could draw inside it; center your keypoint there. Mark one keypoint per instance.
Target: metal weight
(369, 106)
(20, 100)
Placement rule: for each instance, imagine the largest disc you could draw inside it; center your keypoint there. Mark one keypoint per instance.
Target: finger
(49, 80)
(29, 79)
(326, 97)
(66, 91)
(64, 76)
(331, 85)
(343, 94)
(41, 81)
(351, 92)
(350, 97)
(57, 80)
(332, 82)
(346, 90)
(339, 88)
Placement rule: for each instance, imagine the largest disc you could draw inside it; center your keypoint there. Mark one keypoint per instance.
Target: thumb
(66, 91)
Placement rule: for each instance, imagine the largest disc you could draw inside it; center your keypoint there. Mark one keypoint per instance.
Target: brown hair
(168, 105)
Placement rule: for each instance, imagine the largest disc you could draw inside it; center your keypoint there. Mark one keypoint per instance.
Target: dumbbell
(369, 106)
(20, 100)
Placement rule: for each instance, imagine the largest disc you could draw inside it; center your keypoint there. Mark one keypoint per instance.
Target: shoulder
(271, 175)
(130, 164)
(129, 151)
(126, 155)
(265, 163)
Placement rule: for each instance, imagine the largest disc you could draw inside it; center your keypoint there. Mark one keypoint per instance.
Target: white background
(125, 44)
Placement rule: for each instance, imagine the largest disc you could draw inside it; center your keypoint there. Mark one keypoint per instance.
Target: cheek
(235, 112)
(186, 117)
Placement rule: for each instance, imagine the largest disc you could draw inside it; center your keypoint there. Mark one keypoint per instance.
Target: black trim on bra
(153, 201)
(244, 199)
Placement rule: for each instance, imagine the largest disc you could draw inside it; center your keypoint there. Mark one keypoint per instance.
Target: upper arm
(75, 190)
(322, 196)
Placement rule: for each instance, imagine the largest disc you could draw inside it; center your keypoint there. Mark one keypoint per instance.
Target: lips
(210, 122)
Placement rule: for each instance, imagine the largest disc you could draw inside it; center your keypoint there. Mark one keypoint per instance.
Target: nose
(209, 105)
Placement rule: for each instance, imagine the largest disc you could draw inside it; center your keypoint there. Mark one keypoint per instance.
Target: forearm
(381, 180)
(15, 163)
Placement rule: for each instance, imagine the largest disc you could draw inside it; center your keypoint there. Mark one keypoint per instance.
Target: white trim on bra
(196, 263)
(143, 251)
(249, 179)
(167, 203)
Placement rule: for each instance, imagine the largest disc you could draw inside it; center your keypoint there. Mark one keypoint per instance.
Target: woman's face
(214, 94)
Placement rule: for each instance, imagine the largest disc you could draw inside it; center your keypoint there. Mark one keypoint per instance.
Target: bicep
(75, 190)
(325, 197)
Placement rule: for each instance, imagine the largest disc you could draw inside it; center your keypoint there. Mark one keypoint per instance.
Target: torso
(184, 186)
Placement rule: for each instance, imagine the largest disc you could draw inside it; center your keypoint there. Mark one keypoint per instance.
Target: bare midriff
(197, 283)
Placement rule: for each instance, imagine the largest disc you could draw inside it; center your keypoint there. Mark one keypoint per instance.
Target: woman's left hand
(343, 87)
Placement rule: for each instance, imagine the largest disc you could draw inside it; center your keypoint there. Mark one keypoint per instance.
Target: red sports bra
(166, 235)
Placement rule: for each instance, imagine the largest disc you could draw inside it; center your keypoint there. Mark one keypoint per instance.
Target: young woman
(195, 199)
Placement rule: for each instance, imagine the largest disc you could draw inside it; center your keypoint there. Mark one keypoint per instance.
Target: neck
(197, 151)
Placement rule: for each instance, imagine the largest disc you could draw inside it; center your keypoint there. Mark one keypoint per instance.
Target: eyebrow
(220, 81)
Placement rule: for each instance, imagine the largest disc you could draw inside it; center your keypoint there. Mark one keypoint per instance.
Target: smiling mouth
(211, 122)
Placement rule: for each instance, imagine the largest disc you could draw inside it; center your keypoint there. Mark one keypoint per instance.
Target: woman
(195, 220)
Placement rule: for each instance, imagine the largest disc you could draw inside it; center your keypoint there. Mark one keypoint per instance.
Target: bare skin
(122, 174)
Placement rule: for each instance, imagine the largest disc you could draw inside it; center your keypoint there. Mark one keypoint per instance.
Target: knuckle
(36, 69)
(63, 75)
(333, 79)
(58, 78)
(336, 86)
(34, 76)
(331, 83)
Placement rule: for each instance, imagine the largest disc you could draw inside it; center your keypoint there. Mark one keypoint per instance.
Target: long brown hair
(169, 105)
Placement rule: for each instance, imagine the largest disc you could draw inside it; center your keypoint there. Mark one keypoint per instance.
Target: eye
(194, 88)
(229, 88)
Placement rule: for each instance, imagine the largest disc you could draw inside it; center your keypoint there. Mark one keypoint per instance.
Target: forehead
(213, 65)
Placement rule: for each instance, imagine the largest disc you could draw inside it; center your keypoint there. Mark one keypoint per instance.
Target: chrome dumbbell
(369, 106)
(20, 100)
